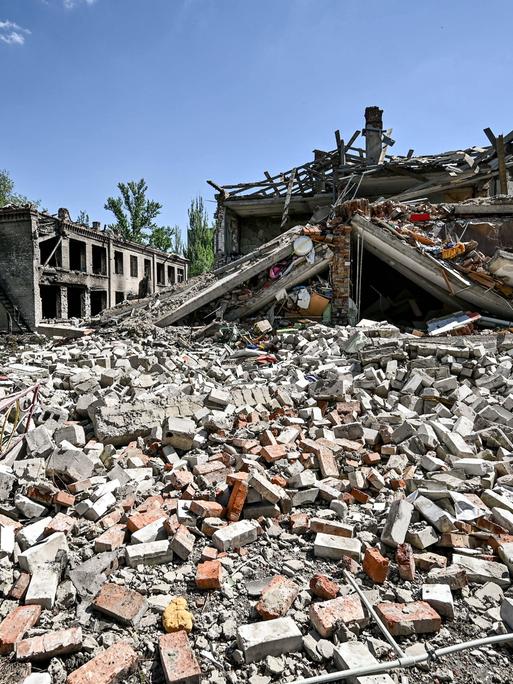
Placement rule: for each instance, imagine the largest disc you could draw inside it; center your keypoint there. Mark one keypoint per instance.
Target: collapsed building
(54, 269)
(370, 271)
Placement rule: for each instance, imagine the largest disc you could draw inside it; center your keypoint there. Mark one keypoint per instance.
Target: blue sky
(178, 91)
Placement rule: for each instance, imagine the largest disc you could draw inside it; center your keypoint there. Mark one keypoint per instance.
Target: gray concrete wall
(18, 272)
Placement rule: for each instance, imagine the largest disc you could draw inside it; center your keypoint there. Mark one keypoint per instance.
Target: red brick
(209, 553)
(397, 484)
(359, 496)
(122, 604)
(327, 615)
(40, 494)
(209, 575)
(207, 509)
(111, 539)
(323, 587)
(350, 565)
(371, 458)
(273, 452)
(112, 518)
(232, 478)
(60, 523)
(49, 645)
(109, 667)
(15, 624)
(299, 523)
(429, 560)
(277, 597)
(404, 619)
(9, 522)
(237, 500)
(79, 486)
(139, 520)
(178, 660)
(19, 588)
(405, 562)
(375, 565)
(64, 499)
(211, 525)
(179, 479)
(279, 480)
(267, 438)
(128, 502)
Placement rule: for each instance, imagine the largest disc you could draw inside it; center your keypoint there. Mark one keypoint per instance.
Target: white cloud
(70, 4)
(12, 34)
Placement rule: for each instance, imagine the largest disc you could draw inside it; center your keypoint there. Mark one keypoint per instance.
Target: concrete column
(62, 304)
(373, 134)
(86, 303)
(65, 253)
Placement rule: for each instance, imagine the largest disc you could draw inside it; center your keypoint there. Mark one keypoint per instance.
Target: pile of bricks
(193, 510)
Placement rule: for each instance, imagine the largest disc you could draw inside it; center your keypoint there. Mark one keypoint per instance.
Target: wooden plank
(285, 214)
(503, 177)
(229, 282)
(490, 135)
(300, 274)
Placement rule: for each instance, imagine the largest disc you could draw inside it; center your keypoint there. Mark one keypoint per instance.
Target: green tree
(134, 213)
(161, 238)
(7, 194)
(200, 239)
(178, 246)
(83, 218)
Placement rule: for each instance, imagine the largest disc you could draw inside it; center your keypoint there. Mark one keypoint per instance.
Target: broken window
(75, 302)
(120, 297)
(134, 267)
(171, 275)
(118, 263)
(147, 268)
(77, 255)
(99, 260)
(179, 272)
(50, 301)
(161, 278)
(98, 301)
(50, 252)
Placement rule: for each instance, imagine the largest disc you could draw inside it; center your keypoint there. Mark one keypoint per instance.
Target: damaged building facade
(52, 268)
(250, 215)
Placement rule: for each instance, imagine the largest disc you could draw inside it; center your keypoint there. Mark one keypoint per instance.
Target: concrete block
(269, 638)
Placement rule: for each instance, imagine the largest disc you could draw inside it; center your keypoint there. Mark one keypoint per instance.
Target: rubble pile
(238, 511)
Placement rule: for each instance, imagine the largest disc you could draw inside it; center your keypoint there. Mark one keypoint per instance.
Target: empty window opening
(99, 260)
(147, 268)
(134, 267)
(98, 301)
(75, 302)
(161, 277)
(180, 275)
(77, 255)
(171, 278)
(50, 301)
(51, 251)
(120, 297)
(118, 263)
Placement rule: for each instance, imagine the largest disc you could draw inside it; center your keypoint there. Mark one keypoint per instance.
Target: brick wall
(341, 272)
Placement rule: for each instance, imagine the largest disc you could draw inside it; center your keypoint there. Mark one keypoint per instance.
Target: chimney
(96, 225)
(373, 134)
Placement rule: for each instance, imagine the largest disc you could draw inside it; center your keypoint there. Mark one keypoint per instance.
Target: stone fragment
(236, 535)
(269, 638)
(482, 571)
(151, 553)
(397, 523)
(354, 654)
(331, 546)
(439, 597)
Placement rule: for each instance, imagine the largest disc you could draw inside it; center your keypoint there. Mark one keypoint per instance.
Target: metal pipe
(376, 617)
(408, 661)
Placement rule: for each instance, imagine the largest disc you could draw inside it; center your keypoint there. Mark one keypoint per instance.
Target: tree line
(135, 219)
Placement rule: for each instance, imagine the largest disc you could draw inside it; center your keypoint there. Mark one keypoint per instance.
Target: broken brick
(375, 565)
(15, 624)
(124, 605)
(109, 667)
(177, 658)
(323, 587)
(405, 619)
(209, 575)
(277, 597)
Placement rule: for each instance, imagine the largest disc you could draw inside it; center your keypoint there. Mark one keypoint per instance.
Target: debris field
(182, 510)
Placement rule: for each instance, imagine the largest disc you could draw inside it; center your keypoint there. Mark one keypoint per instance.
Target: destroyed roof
(347, 164)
